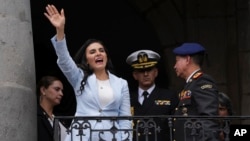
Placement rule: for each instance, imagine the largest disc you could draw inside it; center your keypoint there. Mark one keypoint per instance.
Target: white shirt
(105, 92)
(140, 92)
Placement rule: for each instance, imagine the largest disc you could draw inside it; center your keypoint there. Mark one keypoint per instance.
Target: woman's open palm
(56, 19)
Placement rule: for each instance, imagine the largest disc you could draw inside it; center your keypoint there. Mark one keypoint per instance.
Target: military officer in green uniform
(199, 96)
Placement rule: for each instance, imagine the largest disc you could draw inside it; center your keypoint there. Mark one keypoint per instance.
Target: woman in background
(50, 93)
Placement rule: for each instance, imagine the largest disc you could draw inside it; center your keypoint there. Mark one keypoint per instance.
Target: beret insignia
(197, 75)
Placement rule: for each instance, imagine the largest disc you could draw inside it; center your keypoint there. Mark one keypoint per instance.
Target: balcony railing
(146, 126)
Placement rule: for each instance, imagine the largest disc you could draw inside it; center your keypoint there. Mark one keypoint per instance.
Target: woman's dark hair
(45, 82)
(81, 60)
(224, 100)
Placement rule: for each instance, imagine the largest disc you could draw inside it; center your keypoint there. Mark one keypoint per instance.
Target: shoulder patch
(197, 75)
(206, 86)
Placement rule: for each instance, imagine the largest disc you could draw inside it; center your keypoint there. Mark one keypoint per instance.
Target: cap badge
(143, 61)
(142, 57)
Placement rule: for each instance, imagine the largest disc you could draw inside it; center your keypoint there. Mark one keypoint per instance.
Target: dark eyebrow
(57, 88)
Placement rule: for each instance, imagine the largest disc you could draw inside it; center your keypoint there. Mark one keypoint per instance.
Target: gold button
(184, 111)
(183, 104)
(139, 134)
(174, 129)
(174, 119)
(176, 109)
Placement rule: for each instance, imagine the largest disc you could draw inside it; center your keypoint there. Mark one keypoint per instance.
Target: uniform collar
(140, 90)
(189, 77)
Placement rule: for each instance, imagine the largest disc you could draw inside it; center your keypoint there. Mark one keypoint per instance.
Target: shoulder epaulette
(197, 75)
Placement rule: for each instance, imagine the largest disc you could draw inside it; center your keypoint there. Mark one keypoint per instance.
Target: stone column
(17, 72)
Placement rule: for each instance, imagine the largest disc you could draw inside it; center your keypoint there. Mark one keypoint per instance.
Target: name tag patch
(162, 102)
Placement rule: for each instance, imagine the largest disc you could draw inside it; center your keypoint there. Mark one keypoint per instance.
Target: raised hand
(56, 19)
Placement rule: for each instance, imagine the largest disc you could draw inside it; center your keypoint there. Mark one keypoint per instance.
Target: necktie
(145, 95)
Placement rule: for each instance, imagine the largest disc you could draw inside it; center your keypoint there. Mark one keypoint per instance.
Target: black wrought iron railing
(146, 127)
